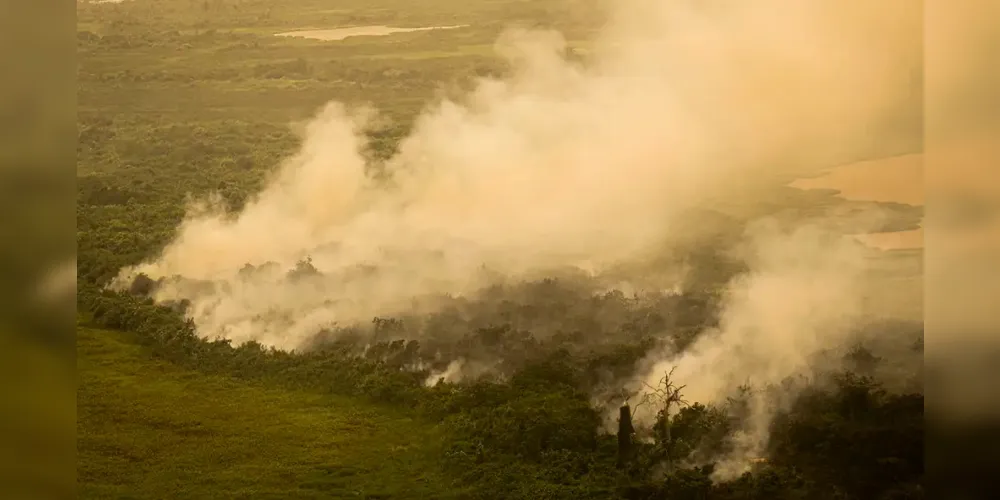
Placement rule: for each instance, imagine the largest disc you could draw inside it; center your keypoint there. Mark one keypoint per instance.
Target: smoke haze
(800, 298)
(683, 106)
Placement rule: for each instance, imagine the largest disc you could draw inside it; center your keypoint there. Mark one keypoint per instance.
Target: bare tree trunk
(625, 431)
(665, 437)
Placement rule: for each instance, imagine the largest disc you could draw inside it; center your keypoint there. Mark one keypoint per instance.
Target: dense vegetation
(537, 434)
(186, 97)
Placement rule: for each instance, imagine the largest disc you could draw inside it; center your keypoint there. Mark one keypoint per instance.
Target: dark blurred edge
(37, 241)
(37, 194)
(962, 301)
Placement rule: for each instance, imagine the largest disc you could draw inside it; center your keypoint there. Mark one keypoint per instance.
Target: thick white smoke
(802, 296)
(685, 105)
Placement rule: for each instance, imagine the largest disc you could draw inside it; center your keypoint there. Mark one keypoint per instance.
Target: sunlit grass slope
(149, 429)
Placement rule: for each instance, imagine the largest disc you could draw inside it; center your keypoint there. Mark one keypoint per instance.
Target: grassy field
(148, 429)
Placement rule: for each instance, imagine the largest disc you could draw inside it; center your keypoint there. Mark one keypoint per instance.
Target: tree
(625, 433)
(664, 396)
(303, 269)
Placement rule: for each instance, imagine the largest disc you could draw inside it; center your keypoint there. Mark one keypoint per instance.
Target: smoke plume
(800, 298)
(682, 106)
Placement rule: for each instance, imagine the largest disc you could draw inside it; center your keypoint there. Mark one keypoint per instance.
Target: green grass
(149, 429)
